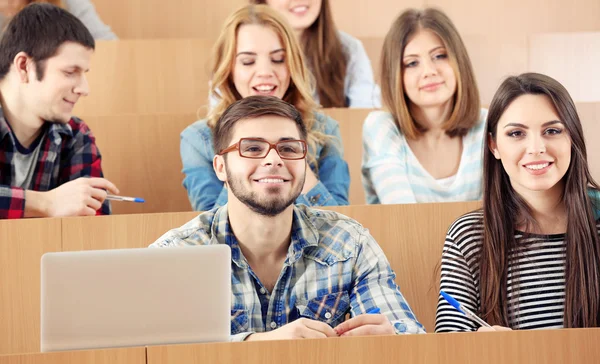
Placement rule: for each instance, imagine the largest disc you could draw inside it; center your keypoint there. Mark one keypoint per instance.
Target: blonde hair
(299, 92)
(465, 111)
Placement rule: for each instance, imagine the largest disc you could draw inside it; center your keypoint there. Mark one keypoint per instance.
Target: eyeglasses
(258, 148)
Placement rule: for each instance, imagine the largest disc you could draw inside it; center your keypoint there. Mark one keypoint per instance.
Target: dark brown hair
(325, 56)
(39, 30)
(253, 107)
(465, 111)
(502, 206)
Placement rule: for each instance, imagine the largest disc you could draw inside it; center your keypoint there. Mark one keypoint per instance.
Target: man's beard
(271, 207)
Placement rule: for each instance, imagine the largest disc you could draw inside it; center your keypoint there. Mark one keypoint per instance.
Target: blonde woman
(427, 144)
(83, 9)
(345, 79)
(257, 54)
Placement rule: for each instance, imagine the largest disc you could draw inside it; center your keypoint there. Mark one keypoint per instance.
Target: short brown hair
(253, 107)
(465, 111)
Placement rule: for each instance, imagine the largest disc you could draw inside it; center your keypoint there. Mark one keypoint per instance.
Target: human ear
(493, 146)
(24, 66)
(219, 167)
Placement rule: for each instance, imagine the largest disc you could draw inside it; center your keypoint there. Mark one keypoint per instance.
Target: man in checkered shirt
(296, 271)
(49, 162)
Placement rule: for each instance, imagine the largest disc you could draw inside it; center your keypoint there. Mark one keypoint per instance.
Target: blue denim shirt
(206, 191)
(333, 267)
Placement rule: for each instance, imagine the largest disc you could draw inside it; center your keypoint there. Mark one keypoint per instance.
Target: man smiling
(46, 155)
(296, 271)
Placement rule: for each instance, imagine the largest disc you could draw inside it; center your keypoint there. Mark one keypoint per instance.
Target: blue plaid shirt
(333, 267)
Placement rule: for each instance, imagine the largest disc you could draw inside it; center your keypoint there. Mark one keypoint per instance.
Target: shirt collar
(304, 235)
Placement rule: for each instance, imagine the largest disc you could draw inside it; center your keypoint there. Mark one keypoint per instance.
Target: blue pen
(124, 198)
(374, 311)
(465, 311)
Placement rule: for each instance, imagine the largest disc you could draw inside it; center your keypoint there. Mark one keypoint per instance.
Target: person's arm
(459, 283)
(361, 89)
(83, 159)
(202, 184)
(384, 161)
(84, 10)
(375, 288)
(333, 183)
(12, 202)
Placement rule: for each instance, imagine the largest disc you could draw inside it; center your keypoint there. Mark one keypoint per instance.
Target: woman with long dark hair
(530, 258)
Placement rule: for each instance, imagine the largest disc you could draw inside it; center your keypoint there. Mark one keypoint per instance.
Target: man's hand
(493, 328)
(300, 329)
(80, 197)
(366, 324)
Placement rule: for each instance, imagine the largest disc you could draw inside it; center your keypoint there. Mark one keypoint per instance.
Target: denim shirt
(333, 267)
(206, 191)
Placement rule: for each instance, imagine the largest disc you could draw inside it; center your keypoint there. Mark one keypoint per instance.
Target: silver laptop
(135, 297)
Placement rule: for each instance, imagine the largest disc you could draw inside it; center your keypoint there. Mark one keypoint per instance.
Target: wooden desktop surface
(526, 347)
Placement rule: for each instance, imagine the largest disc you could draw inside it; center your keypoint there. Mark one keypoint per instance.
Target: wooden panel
(148, 76)
(22, 243)
(494, 57)
(520, 347)
(118, 231)
(351, 121)
(140, 154)
(147, 19)
(412, 236)
(369, 18)
(515, 17)
(590, 118)
(571, 58)
(113, 356)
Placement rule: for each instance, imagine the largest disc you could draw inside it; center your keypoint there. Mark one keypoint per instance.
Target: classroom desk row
(172, 75)
(141, 154)
(410, 235)
(519, 347)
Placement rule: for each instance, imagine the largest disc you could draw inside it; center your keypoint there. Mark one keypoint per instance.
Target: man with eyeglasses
(297, 271)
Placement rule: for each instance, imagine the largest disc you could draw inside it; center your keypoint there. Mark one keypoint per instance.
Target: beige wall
(185, 18)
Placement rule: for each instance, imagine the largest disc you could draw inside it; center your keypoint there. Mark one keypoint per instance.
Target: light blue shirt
(206, 191)
(359, 86)
(392, 174)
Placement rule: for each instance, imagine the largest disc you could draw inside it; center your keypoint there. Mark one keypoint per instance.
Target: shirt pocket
(239, 321)
(330, 308)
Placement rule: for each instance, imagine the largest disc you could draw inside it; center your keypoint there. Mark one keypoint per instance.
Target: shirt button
(262, 290)
(273, 324)
(328, 315)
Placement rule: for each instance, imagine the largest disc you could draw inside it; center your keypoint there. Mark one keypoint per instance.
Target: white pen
(124, 198)
(462, 309)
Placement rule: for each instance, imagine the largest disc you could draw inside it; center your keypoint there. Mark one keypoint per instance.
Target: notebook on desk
(135, 297)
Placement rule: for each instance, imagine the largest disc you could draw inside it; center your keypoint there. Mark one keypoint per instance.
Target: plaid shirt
(68, 151)
(333, 267)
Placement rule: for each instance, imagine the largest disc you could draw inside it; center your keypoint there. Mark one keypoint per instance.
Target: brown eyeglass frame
(236, 146)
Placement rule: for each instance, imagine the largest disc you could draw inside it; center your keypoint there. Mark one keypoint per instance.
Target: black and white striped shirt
(538, 265)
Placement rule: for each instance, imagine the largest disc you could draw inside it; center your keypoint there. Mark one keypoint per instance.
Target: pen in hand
(124, 198)
(462, 309)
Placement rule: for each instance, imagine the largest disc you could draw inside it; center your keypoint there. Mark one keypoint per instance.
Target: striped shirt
(535, 282)
(333, 267)
(392, 174)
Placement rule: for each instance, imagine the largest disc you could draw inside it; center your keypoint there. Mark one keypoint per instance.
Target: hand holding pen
(465, 311)
(371, 323)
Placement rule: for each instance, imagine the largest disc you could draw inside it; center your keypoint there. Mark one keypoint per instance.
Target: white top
(391, 173)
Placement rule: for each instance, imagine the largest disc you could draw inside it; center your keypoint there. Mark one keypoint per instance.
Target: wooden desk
(110, 356)
(526, 347)
(22, 244)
